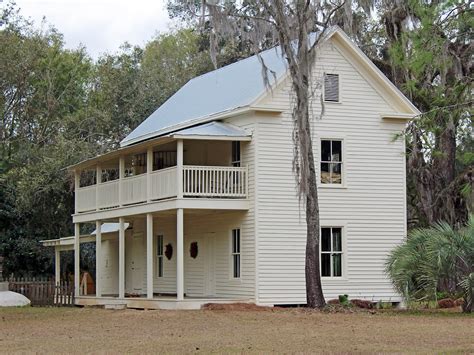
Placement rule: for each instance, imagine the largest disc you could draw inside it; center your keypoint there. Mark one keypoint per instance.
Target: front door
(135, 271)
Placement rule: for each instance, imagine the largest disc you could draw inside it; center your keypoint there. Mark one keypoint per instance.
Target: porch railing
(198, 181)
(215, 181)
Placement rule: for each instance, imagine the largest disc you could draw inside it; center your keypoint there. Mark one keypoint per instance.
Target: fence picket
(43, 292)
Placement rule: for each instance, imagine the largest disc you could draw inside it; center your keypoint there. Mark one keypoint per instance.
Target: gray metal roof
(218, 129)
(225, 89)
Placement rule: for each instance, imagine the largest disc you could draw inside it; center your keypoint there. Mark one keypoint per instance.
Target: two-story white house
(200, 204)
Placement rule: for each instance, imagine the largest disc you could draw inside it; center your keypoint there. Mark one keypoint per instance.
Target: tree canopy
(60, 106)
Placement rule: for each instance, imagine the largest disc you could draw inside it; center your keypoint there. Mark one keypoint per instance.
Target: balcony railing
(198, 181)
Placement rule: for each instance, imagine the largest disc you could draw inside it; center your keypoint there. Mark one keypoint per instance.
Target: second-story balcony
(197, 181)
(180, 169)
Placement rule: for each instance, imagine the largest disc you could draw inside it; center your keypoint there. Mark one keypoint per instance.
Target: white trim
(231, 255)
(343, 140)
(168, 204)
(398, 116)
(343, 226)
(339, 101)
(211, 138)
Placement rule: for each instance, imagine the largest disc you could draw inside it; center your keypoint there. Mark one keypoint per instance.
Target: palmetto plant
(433, 259)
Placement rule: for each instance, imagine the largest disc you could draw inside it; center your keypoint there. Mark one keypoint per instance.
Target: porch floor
(157, 302)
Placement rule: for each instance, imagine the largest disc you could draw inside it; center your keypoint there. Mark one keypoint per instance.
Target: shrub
(432, 259)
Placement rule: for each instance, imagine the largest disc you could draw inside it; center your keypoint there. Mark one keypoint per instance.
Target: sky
(100, 25)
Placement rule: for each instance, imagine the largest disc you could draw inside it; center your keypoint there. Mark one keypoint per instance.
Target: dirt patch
(234, 307)
(292, 330)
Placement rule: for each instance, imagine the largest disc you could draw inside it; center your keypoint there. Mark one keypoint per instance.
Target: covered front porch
(175, 259)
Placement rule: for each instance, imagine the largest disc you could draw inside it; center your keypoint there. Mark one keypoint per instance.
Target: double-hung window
(159, 255)
(235, 253)
(331, 161)
(331, 252)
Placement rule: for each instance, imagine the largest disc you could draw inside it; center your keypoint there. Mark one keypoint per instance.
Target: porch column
(77, 258)
(179, 161)
(149, 255)
(57, 266)
(149, 170)
(77, 184)
(98, 180)
(179, 254)
(98, 259)
(121, 258)
(121, 176)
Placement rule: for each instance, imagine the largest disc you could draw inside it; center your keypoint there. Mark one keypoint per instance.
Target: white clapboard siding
(370, 207)
(197, 228)
(164, 183)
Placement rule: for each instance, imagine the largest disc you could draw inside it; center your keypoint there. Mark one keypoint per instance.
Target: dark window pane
(325, 265)
(326, 239)
(336, 151)
(337, 264)
(325, 175)
(160, 267)
(236, 153)
(336, 239)
(236, 263)
(325, 150)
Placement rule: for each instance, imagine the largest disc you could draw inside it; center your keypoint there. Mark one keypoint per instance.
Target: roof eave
(213, 117)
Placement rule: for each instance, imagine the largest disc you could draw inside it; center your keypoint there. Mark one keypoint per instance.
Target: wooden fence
(44, 292)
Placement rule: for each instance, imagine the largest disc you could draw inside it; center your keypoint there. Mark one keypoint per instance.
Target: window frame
(339, 101)
(343, 162)
(343, 252)
(233, 253)
(160, 260)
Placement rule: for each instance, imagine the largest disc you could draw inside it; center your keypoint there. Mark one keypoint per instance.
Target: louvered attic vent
(331, 87)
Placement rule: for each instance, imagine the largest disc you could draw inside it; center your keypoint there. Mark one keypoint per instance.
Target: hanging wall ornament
(169, 251)
(193, 250)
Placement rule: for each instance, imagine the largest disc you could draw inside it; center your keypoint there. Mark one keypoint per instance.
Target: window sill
(333, 102)
(236, 281)
(332, 186)
(333, 279)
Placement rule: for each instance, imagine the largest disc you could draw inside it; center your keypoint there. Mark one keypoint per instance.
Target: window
(236, 253)
(331, 87)
(331, 161)
(159, 254)
(235, 153)
(331, 252)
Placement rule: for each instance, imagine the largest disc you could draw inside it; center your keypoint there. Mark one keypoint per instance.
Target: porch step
(115, 306)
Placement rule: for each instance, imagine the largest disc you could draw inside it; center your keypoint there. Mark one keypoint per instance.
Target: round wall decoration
(193, 250)
(169, 251)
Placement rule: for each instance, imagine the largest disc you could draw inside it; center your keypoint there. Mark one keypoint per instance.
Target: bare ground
(76, 330)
